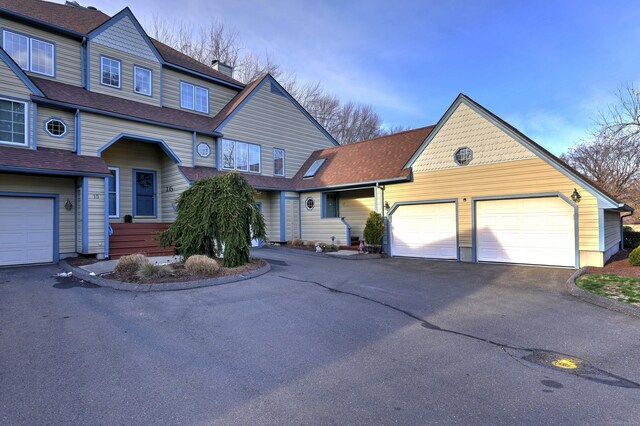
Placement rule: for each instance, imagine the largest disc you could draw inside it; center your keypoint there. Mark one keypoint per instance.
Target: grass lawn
(624, 289)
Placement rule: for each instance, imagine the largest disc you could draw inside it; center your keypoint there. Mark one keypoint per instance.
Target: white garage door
(538, 231)
(425, 230)
(26, 230)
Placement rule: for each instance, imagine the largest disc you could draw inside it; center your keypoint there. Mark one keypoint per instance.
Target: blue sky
(547, 67)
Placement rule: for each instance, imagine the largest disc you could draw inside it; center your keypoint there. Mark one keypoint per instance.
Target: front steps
(130, 238)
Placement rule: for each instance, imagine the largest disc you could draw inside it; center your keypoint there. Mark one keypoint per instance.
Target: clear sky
(546, 67)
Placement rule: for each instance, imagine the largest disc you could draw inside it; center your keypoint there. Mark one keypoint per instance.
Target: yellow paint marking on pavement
(565, 363)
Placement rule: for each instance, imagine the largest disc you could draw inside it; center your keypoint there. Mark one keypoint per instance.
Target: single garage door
(26, 230)
(425, 230)
(537, 231)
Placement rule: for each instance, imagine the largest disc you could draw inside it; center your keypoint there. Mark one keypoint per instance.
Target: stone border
(185, 285)
(604, 302)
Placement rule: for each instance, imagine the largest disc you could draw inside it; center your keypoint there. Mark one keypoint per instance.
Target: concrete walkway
(107, 266)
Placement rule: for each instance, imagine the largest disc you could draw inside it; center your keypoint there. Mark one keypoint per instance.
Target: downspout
(76, 134)
(83, 54)
(622, 229)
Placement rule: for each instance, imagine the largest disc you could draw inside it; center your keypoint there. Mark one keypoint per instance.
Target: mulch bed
(81, 260)
(180, 274)
(618, 265)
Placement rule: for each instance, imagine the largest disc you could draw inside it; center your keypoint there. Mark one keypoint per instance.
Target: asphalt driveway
(317, 340)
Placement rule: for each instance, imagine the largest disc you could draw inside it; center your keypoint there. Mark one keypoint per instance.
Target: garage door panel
(531, 230)
(425, 230)
(26, 230)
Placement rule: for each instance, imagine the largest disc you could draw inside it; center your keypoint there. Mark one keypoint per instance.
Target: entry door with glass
(144, 193)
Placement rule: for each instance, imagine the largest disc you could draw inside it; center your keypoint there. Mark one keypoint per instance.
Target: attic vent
(276, 90)
(314, 168)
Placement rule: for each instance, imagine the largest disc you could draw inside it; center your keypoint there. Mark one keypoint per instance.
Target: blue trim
(185, 178)
(117, 191)
(411, 203)
(19, 72)
(323, 205)
(348, 241)
(601, 235)
(195, 86)
(566, 199)
(300, 214)
(45, 122)
(106, 217)
(27, 124)
(150, 95)
(56, 216)
(218, 147)
(161, 83)
(76, 134)
(155, 192)
(193, 149)
(85, 215)
(284, 162)
(116, 18)
(88, 66)
(375, 199)
(282, 217)
(119, 61)
(139, 138)
(75, 217)
(35, 129)
(347, 186)
(205, 76)
(387, 231)
(49, 171)
(83, 65)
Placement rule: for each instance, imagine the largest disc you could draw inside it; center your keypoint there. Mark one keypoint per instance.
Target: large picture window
(29, 53)
(278, 162)
(241, 156)
(110, 72)
(13, 122)
(194, 97)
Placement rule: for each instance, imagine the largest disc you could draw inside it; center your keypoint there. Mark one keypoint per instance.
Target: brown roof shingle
(49, 160)
(380, 159)
(257, 181)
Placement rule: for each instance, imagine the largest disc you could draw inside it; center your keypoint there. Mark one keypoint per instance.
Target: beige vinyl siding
(128, 155)
(68, 63)
(273, 224)
(209, 161)
(273, 121)
(98, 130)
(63, 187)
(78, 214)
(172, 184)
(45, 139)
(503, 179)
(219, 95)
(266, 199)
(355, 207)
(127, 62)
(292, 218)
(315, 228)
(96, 211)
(611, 229)
(11, 85)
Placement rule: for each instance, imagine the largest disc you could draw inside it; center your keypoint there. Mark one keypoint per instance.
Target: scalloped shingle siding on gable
(124, 36)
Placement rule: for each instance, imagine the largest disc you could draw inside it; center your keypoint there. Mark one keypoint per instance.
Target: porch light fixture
(68, 205)
(575, 196)
(386, 206)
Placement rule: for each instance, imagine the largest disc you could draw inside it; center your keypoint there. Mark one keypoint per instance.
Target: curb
(120, 285)
(327, 254)
(604, 302)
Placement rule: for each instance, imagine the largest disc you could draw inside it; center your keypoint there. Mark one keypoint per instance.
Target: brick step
(119, 254)
(352, 247)
(133, 244)
(141, 225)
(134, 237)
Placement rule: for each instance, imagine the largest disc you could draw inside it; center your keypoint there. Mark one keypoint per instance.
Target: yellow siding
(292, 218)
(273, 224)
(96, 207)
(509, 178)
(64, 187)
(219, 95)
(355, 207)
(209, 161)
(172, 184)
(98, 130)
(274, 122)
(317, 229)
(45, 139)
(68, 66)
(126, 84)
(11, 85)
(611, 229)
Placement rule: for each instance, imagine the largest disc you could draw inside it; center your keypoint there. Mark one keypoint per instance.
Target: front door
(144, 193)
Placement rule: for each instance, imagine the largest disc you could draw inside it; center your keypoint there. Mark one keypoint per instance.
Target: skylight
(314, 168)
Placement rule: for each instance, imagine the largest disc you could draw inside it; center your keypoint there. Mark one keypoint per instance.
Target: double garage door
(26, 230)
(538, 231)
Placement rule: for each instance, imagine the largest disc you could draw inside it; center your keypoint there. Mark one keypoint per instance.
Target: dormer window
(29, 53)
(110, 72)
(194, 97)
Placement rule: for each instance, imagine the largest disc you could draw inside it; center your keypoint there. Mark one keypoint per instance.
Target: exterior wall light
(68, 205)
(386, 205)
(576, 196)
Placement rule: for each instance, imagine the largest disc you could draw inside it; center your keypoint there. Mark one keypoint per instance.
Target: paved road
(317, 340)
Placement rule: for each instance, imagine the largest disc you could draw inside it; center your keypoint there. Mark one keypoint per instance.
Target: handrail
(348, 243)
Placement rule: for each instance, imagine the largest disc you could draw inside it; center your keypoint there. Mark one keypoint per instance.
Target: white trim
(53, 57)
(102, 58)
(235, 156)
(27, 127)
(49, 120)
(283, 162)
(135, 80)
(194, 99)
(117, 191)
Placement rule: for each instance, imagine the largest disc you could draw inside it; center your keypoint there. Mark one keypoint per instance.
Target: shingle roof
(375, 160)
(235, 102)
(49, 159)
(83, 21)
(257, 181)
(78, 96)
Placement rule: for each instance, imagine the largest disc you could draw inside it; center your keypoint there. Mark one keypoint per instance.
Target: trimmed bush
(374, 229)
(297, 242)
(150, 271)
(129, 265)
(201, 265)
(631, 238)
(634, 257)
(311, 244)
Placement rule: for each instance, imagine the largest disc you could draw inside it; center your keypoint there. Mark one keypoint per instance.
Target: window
(194, 97)
(331, 204)
(241, 156)
(55, 127)
(29, 53)
(114, 192)
(463, 156)
(309, 203)
(314, 168)
(13, 122)
(142, 80)
(144, 194)
(278, 162)
(110, 72)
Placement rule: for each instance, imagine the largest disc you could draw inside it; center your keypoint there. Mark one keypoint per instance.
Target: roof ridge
(378, 137)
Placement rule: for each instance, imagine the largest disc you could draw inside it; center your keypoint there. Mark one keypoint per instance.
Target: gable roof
(377, 160)
(80, 21)
(260, 182)
(606, 199)
(4, 56)
(51, 161)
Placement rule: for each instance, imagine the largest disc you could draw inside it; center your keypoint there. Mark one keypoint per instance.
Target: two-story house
(102, 125)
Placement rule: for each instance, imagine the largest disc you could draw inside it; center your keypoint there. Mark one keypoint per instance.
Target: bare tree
(612, 157)
(355, 122)
(394, 129)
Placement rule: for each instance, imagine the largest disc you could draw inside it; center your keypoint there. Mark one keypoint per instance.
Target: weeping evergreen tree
(217, 212)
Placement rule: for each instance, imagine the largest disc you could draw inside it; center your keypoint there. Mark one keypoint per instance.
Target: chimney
(223, 68)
